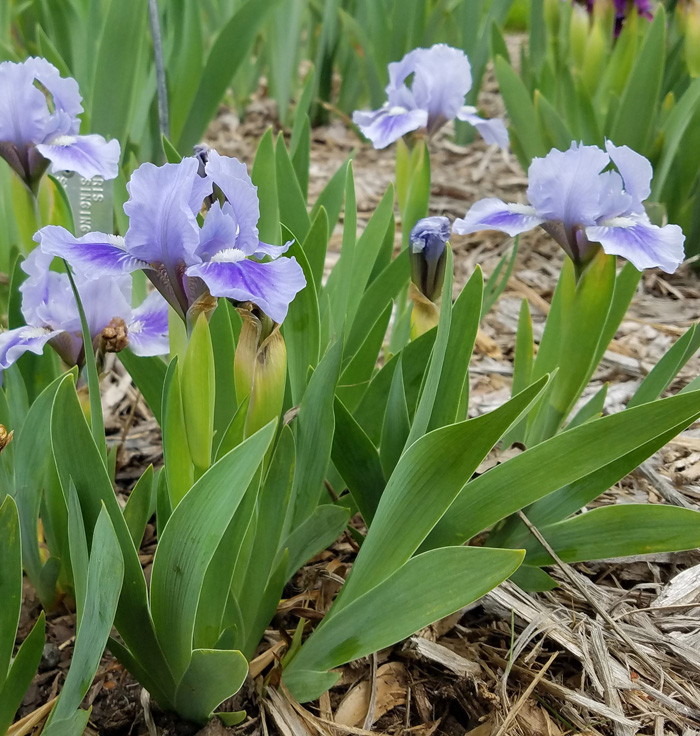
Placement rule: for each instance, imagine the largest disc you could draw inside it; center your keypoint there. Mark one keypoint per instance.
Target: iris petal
(219, 232)
(565, 186)
(148, 328)
(271, 286)
(388, 124)
(24, 114)
(231, 176)
(92, 255)
(163, 205)
(494, 214)
(643, 244)
(492, 131)
(636, 171)
(442, 79)
(14, 343)
(88, 155)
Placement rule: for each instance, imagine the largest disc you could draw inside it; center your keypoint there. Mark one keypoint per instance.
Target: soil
(511, 664)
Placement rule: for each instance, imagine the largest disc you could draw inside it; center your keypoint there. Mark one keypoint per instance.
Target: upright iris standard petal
(231, 177)
(578, 200)
(162, 208)
(63, 90)
(271, 286)
(439, 79)
(564, 185)
(93, 254)
(443, 76)
(635, 170)
(24, 114)
(39, 123)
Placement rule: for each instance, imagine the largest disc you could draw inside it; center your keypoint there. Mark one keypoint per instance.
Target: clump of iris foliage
(273, 381)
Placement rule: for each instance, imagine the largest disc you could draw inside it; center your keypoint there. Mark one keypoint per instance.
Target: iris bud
(260, 367)
(427, 252)
(579, 29)
(594, 56)
(692, 37)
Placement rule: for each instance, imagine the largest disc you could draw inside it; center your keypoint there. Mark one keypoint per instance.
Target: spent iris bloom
(578, 200)
(51, 314)
(188, 263)
(441, 77)
(427, 244)
(39, 125)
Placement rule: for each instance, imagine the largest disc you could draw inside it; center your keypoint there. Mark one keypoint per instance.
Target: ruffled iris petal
(565, 186)
(442, 79)
(641, 243)
(63, 90)
(273, 251)
(14, 343)
(92, 255)
(271, 286)
(148, 327)
(88, 155)
(494, 214)
(162, 209)
(231, 176)
(24, 114)
(636, 172)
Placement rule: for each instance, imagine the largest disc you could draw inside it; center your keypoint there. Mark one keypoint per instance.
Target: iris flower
(441, 77)
(51, 313)
(186, 262)
(39, 125)
(578, 201)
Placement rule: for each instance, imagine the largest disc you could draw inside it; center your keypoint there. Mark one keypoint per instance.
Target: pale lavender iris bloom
(184, 261)
(34, 133)
(578, 200)
(441, 77)
(51, 313)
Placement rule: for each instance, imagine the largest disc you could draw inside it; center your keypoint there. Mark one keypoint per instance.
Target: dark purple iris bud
(579, 200)
(426, 246)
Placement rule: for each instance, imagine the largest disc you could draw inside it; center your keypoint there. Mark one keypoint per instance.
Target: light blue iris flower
(39, 125)
(51, 314)
(186, 262)
(579, 200)
(440, 77)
